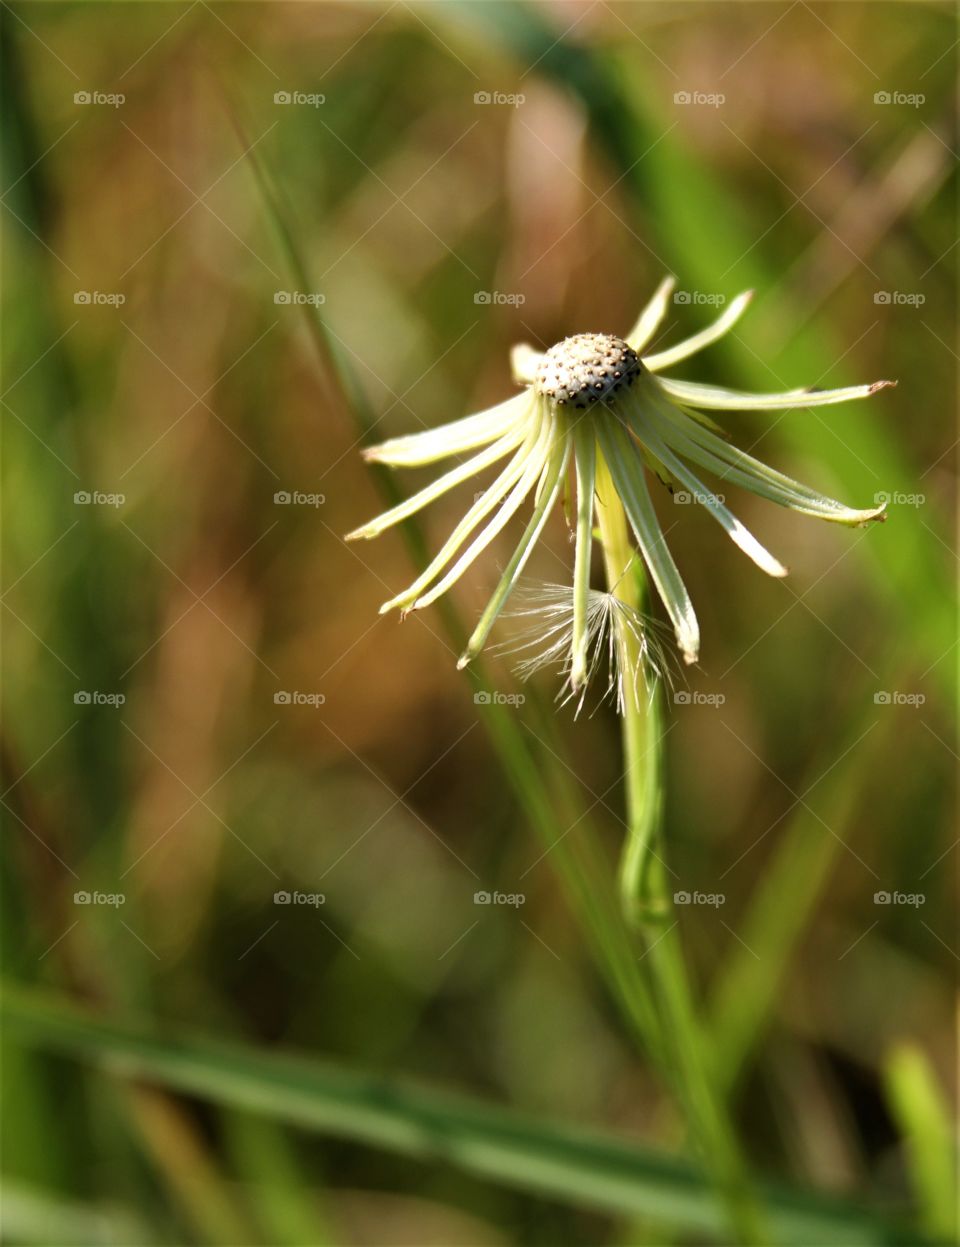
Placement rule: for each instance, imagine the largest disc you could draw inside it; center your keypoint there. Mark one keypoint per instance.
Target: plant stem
(648, 902)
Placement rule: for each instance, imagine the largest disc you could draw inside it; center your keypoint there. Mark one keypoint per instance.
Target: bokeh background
(203, 708)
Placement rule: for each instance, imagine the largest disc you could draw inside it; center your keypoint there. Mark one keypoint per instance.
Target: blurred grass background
(199, 597)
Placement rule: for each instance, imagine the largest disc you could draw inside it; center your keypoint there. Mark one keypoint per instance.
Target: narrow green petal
(651, 316)
(439, 487)
(737, 532)
(552, 481)
(730, 463)
(481, 508)
(723, 324)
(455, 438)
(514, 501)
(627, 472)
(585, 448)
(716, 398)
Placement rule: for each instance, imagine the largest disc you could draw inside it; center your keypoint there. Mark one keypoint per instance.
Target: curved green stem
(648, 903)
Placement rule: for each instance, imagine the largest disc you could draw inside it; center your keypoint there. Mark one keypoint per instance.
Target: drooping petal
(627, 472)
(482, 506)
(524, 362)
(716, 398)
(585, 449)
(694, 442)
(536, 460)
(451, 439)
(651, 316)
(690, 346)
(551, 482)
(737, 531)
(439, 487)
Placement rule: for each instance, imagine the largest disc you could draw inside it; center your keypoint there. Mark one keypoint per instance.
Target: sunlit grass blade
(919, 1105)
(569, 1164)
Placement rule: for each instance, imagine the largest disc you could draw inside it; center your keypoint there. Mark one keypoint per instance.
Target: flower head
(592, 398)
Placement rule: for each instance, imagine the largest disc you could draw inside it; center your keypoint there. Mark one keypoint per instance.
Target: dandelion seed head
(632, 649)
(586, 369)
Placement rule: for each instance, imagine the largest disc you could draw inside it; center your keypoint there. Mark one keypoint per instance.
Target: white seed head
(586, 369)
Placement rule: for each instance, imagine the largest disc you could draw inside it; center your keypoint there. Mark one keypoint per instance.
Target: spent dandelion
(596, 405)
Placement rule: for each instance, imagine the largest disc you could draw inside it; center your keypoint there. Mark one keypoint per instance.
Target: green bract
(590, 395)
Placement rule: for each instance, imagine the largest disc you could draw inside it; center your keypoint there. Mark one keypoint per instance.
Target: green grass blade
(526, 756)
(569, 1164)
(919, 1106)
(747, 988)
(31, 1215)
